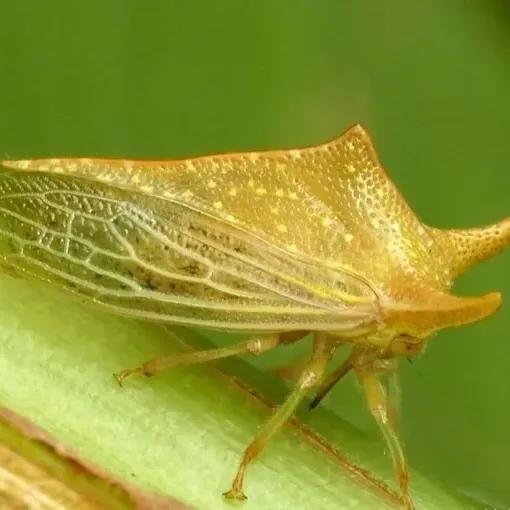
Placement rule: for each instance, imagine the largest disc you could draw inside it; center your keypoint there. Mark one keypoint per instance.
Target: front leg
(381, 410)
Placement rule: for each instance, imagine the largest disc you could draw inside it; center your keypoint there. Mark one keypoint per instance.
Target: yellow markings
(326, 222)
(261, 191)
(293, 195)
(361, 180)
(232, 192)
(105, 177)
(279, 192)
(292, 247)
(146, 188)
(211, 184)
(295, 154)
(225, 167)
(189, 165)
(282, 228)
(251, 183)
(23, 164)
(348, 237)
(186, 194)
(274, 210)
(253, 157)
(136, 179)
(395, 226)
(350, 168)
(218, 205)
(230, 218)
(280, 166)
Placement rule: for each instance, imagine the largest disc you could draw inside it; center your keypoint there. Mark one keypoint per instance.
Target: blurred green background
(430, 80)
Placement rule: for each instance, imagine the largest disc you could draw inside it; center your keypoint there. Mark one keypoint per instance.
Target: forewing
(162, 259)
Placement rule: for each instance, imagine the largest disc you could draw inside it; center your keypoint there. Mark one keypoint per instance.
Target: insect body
(278, 244)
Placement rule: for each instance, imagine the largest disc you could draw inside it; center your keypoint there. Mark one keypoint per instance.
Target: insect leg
(394, 398)
(380, 408)
(310, 377)
(254, 345)
(331, 381)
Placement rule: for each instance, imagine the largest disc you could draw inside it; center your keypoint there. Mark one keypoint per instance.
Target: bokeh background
(430, 81)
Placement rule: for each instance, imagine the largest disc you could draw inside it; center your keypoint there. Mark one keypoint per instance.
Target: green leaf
(181, 433)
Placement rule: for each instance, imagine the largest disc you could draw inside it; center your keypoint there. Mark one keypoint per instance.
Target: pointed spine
(467, 247)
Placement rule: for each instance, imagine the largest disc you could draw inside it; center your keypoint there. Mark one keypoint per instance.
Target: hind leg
(254, 345)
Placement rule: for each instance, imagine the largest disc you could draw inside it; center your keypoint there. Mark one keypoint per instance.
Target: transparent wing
(148, 257)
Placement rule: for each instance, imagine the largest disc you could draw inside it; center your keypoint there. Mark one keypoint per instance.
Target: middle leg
(310, 377)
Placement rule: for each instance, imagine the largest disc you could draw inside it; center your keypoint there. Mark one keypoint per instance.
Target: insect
(277, 244)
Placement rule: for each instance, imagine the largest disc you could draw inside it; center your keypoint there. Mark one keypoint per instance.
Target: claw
(235, 495)
(120, 377)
